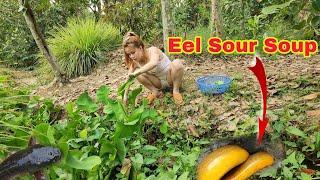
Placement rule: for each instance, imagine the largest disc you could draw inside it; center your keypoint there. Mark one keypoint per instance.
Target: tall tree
(40, 41)
(215, 19)
(243, 30)
(95, 7)
(166, 21)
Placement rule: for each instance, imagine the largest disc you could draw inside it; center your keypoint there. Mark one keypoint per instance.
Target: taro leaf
(305, 176)
(108, 147)
(84, 164)
(142, 176)
(107, 110)
(274, 8)
(184, 176)
(71, 113)
(150, 148)
(296, 131)
(125, 86)
(164, 127)
(103, 93)
(124, 131)
(287, 173)
(44, 133)
(132, 122)
(317, 146)
(64, 148)
(269, 172)
(150, 114)
(133, 95)
(176, 154)
(94, 174)
(118, 110)
(85, 103)
(121, 149)
(83, 134)
(149, 161)
(176, 167)
(137, 161)
(97, 134)
(166, 175)
(69, 108)
(110, 106)
(316, 5)
(136, 114)
(292, 159)
(289, 143)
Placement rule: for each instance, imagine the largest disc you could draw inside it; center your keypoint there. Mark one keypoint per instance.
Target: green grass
(80, 45)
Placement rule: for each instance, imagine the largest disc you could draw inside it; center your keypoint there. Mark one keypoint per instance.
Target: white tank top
(162, 67)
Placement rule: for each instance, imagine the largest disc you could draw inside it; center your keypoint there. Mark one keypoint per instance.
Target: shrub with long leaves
(80, 45)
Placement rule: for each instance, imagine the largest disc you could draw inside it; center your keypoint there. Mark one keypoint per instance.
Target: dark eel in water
(29, 160)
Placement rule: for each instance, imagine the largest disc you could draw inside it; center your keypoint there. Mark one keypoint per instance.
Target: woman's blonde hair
(128, 39)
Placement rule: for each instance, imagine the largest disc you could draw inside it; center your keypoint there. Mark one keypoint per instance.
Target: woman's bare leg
(175, 79)
(150, 82)
(176, 74)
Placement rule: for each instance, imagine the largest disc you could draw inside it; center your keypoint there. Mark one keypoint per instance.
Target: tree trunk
(97, 8)
(243, 30)
(166, 22)
(215, 19)
(40, 41)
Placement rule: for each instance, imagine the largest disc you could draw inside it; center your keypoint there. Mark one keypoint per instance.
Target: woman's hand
(133, 75)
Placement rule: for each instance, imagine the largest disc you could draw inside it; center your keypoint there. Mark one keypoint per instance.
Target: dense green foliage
(142, 17)
(102, 138)
(80, 45)
(18, 48)
(12, 99)
(17, 45)
(98, 137)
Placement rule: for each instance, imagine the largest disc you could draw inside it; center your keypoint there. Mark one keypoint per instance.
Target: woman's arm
(132, 68)
(154, 59)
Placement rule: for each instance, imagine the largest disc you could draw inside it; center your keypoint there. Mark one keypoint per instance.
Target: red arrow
(258, 70)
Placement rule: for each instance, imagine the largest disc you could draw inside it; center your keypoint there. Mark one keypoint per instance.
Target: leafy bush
(142, 17)
(203, 32)
(18, 48)
(103, 138)
(11, 98)
(79, 46)
(185, 18)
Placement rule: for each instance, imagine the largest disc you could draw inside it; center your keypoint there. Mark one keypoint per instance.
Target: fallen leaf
(232, 126)
(218, 109)
(225, 115)
(272, 92)
(313, 113)
(308, 171)
(193, 130)
(126, 166)
(233, 104)
(196, 101)
(244, 105)
(311, 96)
